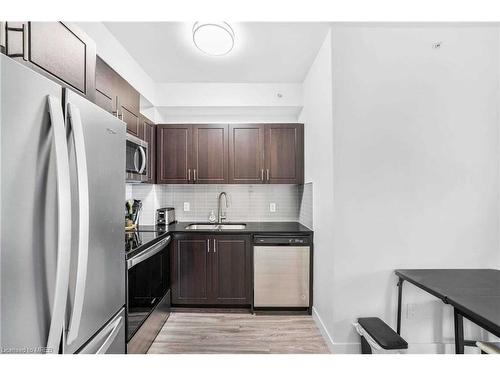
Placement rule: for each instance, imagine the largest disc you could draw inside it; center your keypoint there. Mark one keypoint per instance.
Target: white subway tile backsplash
(306, 205)
(246, 202)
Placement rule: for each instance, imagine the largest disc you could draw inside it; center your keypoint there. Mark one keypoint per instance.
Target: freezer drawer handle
(107, 343)
(83, 230)
(155, 249)
(111, 330)
(63, 222)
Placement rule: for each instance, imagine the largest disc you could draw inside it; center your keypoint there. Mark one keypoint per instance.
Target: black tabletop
(475, 292)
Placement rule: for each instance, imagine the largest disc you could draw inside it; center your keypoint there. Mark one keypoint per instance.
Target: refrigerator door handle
(63, 222)
(83, 221)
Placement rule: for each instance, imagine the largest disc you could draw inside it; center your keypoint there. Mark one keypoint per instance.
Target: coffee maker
(132, 213)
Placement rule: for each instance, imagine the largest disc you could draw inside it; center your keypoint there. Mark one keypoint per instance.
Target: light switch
(272, 207)
(187, 206)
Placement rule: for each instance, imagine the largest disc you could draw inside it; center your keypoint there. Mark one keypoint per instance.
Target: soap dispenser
(212, 218)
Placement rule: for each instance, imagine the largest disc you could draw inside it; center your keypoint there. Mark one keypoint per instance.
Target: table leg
(459, 332)
(400, 297)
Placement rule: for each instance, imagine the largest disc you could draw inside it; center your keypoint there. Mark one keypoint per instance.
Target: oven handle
(148, 253)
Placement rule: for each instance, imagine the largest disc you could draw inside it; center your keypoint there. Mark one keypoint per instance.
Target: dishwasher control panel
(282, 240)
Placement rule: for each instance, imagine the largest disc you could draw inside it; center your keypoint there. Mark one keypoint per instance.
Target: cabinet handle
(262, 174)
(208, 246)
(194, 175)
(215, 248)
(189, 175)
(267, 174)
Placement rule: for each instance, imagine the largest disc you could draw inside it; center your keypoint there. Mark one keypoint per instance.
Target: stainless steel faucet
(221, 216)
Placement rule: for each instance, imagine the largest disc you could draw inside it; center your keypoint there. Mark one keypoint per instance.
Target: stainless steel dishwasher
(281, 271)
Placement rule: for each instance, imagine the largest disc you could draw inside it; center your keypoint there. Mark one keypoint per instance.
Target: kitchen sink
(226, 226)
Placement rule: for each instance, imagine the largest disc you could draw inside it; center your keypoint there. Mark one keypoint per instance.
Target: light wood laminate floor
(223, 333)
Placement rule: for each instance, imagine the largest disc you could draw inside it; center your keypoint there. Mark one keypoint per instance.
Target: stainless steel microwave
(136, 169)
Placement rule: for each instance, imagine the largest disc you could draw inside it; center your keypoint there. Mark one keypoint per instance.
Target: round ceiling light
(213, 38)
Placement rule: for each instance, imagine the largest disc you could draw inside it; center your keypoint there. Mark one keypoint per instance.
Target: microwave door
(133, 156)
(136, 159)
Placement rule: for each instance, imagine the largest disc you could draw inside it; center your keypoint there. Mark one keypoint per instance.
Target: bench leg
(400, 297)
(459, 332)
(365, 347)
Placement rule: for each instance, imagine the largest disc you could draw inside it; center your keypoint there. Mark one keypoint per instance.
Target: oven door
(147, 283)
(136, 166)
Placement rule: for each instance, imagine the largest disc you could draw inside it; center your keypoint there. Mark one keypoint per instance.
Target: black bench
(383, 335)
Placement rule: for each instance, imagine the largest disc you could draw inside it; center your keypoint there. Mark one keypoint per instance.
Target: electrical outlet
(411, 310)
(187, 206)
(272, 207)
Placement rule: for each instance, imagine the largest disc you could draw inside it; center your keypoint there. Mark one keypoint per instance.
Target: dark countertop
(251, 227)
(147, 235)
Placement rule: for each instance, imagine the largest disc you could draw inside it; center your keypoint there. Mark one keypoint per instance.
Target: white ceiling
(263, 52)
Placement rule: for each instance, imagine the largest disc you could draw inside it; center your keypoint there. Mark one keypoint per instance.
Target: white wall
(317, 117)
(228, 102)
(416, 168)
(111, 51)
(228, 94)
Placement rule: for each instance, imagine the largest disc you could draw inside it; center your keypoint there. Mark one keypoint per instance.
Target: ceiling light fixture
(213, 38)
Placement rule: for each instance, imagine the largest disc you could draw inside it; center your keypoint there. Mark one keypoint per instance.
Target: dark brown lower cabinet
(191, 270)
(209, 270)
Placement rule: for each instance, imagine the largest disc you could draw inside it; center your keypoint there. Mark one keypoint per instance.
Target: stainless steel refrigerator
(62, 187)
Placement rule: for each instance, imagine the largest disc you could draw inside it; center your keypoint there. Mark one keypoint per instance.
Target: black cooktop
(143, 235)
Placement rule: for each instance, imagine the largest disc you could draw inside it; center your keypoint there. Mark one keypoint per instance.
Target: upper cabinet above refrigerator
(116, 95)
(58, 50)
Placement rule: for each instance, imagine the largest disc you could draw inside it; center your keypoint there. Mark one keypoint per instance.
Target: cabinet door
(284, 153)
(174, 153)
(130, 118)
(246, 154)
(232, 270)
(190, 270)
(210, 149)
(105, 86)
(58, 50)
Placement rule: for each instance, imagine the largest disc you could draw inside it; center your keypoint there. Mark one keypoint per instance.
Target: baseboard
(323, 330)
(413, 348)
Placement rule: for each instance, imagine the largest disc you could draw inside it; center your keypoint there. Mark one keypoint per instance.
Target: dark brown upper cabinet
(174, 153)
(117, 96)
(246, 154)
(59, 50)
(234, 154)
(128, 103)
(284, 153)
(210, 154)
(266, 153)
(192, 153)
(211, 270)
(105, 86)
